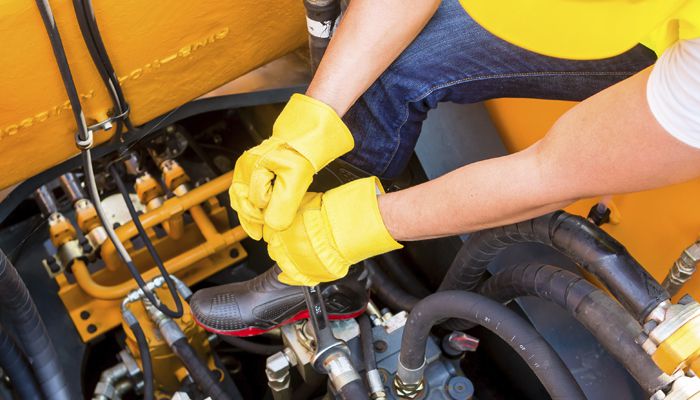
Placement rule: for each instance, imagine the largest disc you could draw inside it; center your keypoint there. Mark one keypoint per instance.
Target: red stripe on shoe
(303, 314)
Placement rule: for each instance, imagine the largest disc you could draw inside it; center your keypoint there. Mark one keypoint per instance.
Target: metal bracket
(105, 125)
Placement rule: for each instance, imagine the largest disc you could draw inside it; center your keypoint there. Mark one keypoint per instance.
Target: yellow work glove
(269, 180)
(331, 231)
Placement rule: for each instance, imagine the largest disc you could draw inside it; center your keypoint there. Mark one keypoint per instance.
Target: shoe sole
(303, 314)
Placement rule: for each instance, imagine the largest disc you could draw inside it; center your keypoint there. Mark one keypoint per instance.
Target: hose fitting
(376, 387)
(409, 382)
(676, 339)
(683, 269)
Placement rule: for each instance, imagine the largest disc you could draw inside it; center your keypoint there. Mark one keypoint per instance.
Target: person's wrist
(384, 202)
(334, 99)
(356, 225)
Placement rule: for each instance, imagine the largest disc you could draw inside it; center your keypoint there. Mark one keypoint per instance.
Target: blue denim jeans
(454, 59)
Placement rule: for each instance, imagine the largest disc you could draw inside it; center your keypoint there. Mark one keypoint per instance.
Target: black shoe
(263, 303)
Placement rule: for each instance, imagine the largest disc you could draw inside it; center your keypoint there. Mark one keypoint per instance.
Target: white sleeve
(673, 91)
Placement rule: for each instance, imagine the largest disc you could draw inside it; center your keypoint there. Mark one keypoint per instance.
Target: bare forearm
(370, 37)
(608, 144)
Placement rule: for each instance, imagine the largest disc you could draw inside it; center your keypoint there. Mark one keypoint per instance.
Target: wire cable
(119, 246)
(84, 141)
(63, 67)
(93, 40)
(151, 249)
(146, 362)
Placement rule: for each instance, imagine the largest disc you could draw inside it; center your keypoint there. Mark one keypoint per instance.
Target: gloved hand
(269, 180)
(330, 232)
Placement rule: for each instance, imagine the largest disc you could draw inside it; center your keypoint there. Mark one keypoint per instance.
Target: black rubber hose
(18, 306)
(367, 343)
(611, 325)
(152, 250)
(146, 362)
(17, 368)
(506, 324)
(579, 239)
(386, 290)
(199, 372)
(403, 274)
(354, 390)
(252, 347)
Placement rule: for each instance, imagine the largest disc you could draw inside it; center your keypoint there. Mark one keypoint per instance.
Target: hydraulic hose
(611, 325)
(506, 324)
(354, 390)
(367, 343)
(146, 362)
(374, 380)
(151, 250)
(387, 291)
(252, 347)
(118, 245)
(18, 306)
(402, 274)
(17, 368)
(199, 372)
(579, 239)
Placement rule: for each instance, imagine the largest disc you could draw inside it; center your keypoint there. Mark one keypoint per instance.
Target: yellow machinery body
(164, 52)
(206, 246)
(655, 225)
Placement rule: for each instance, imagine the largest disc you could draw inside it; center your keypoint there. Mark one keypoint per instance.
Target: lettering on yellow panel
(184, 52)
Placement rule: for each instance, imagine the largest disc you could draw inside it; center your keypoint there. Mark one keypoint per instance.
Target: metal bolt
(380, 346)
(82, 204)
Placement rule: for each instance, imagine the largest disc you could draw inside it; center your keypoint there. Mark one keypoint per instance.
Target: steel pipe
(173, 265)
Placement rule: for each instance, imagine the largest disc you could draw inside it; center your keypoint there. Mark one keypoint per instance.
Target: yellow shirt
(588, 29)
(683, 25)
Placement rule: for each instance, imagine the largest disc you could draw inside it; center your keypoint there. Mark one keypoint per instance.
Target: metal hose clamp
(84, 144)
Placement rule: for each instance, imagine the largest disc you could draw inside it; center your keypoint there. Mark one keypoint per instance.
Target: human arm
(610, 143)
(269, 180)
(370, 37)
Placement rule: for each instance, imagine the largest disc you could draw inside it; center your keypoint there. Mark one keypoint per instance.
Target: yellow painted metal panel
(165, 52)
(655, 225)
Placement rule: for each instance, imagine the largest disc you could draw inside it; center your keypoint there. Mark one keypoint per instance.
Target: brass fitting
(408, 390)
(148, 191)
(174, 175)
(677, 339)
(683, 269)
(60, 229)
(86, 215)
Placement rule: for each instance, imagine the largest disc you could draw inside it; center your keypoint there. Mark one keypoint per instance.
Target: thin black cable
(83, 135)
(367, 343)
(118, 245)
(102, 52)
(146, 363)
(63, 67)
(93, 40)
(152, 250)
(96, 59)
